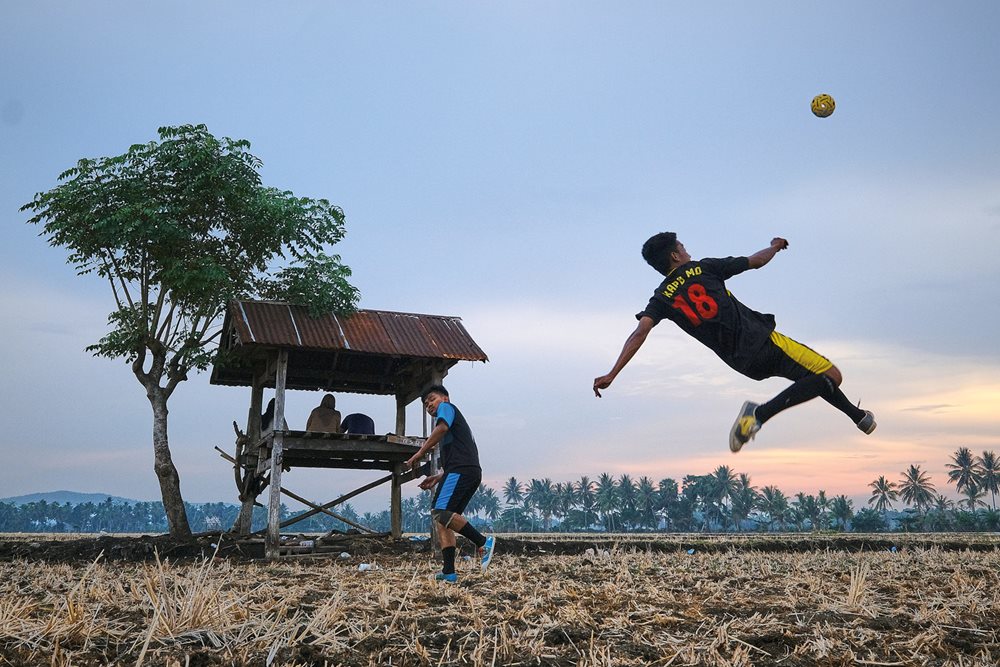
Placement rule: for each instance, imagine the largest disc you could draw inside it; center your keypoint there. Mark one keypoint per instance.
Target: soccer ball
(823, 105)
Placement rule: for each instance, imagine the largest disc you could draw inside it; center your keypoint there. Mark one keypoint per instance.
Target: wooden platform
(307, 449)
(283, 450)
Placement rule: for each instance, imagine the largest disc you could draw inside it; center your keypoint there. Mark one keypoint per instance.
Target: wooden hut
(277, 345)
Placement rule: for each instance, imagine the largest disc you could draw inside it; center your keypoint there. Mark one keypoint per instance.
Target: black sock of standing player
(448, 553)
(473, 535)
(801, 391)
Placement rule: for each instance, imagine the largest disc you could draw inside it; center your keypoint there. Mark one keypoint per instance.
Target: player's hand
(412, 461)
(429, 482)
(602, 382)
(779, 243)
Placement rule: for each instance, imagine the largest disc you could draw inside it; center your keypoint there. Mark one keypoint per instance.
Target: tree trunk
(166, 473)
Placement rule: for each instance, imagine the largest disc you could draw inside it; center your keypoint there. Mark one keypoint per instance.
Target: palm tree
(973, 497)
(915, 488)
(989, 475)
(666, 499)
(807, 508)
(725, 485)
(541, 496)
(824, 507)
(939, 516)
(883, 494)
(646, 502)
(843, 509)
(774, 503)
(565, 498)
(607, 500)
(587, 499)
(964, 469)
(628, 501)
(491, 504)
(743, 500)
(513, 493)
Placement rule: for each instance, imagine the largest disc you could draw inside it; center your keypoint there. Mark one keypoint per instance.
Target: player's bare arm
(762, 257)
(632, 345)
(430, 443)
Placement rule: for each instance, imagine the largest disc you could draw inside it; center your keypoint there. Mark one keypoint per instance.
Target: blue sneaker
(450, 578)
(486, 552)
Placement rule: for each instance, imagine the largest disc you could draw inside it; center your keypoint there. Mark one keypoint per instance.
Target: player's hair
(434, 389)
(656, 250)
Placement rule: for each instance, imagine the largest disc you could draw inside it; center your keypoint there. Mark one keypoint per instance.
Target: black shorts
(456, 489)
(784, 357)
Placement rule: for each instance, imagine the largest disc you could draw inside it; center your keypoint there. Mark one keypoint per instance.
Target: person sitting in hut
(325, 418)
(359, 424)
(267, 418)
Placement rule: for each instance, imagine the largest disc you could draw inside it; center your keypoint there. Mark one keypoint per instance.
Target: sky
(504, 162)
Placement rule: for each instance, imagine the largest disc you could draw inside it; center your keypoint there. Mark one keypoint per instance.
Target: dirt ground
(144, 548)
(721, 601)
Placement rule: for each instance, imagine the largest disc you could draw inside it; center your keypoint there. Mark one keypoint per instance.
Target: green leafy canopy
(181, 226)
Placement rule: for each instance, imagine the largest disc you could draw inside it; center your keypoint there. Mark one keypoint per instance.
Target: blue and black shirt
(458, 447)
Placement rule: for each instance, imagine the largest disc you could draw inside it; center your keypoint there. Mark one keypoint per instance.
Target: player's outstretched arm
(632, 345)
(762, 257)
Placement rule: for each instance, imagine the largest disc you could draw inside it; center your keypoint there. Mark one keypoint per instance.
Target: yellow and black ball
(823, 105)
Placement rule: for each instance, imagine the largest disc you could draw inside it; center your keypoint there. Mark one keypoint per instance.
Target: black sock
(801, 391)
(448, 553)
(842, 403)
(470, 533)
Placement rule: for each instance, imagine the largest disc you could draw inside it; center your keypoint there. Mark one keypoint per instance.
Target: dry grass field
(783, 600)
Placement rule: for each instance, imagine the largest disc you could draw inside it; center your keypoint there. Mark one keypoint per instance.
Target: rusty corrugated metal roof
(275, 324)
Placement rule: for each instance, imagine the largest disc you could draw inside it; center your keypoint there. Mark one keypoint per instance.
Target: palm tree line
(726, 501)
(720, 501)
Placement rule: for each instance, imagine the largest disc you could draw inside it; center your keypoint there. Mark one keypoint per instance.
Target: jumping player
(693, 295)
(456, 483)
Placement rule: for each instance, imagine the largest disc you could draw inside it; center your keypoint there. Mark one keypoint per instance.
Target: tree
(541, 495)
(743, 500)
(868, 520)
(606, 495)
(842, 509)
(915, 488)
(963, 471)
(646, 498)
(773, 502)
(490, 504)
(883, 494)
(724, 484)
(179, 227)
(586, 497)
(513, 493)
(666, 500)
(989, 475)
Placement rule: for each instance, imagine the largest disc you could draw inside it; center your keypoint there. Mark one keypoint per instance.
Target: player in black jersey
(693, 295)
(456, 483)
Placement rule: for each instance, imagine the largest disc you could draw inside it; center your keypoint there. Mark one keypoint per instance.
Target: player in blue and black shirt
(693, 295)
(456, 483)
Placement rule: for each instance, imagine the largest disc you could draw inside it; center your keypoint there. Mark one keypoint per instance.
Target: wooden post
(400, 415)
(437, 377)
(256, 407)
(273, 541)
(396, 503)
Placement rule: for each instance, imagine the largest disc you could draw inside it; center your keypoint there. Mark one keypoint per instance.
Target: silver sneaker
(867, 423)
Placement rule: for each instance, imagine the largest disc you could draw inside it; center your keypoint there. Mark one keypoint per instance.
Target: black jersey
(458, 447)
(695, 298)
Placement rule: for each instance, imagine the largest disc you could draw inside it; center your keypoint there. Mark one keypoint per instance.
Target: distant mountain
(71, 497)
